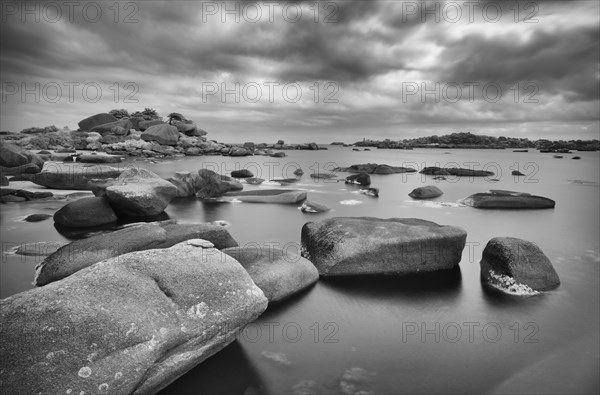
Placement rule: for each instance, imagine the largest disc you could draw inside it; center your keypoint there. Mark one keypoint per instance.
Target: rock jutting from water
(374, 168)
(139, 192)
(517, 266)
(313, 207)
(132, 324)
(455, 171)
(362, 179)
(80, 254)
(498, 199)
(279, 196)
(426, 192)
(85, 212)
(276, 272)
(342, 246)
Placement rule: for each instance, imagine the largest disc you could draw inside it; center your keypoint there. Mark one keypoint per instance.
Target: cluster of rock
(132, 310)
(137, 136)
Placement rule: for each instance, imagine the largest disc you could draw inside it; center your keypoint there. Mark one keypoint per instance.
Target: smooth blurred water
(431, 335)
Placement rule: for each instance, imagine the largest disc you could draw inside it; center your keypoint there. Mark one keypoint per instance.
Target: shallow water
(430, 335)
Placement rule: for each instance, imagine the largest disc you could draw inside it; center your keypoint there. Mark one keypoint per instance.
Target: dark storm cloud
(169, 48)
(565, 62)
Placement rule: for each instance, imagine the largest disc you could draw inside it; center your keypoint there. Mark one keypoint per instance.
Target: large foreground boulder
(280, 196)
(163, 134)
(498, 199)
(139, 192)
(85, 252)
(85, 212)
(73, 176)
(517, 266)
(129, 325)
(278, 273)
(96, 120)
(12, 155)
(426, 192)
(366, 245)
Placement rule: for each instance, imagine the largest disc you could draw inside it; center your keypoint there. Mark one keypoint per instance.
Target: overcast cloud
(342, 70)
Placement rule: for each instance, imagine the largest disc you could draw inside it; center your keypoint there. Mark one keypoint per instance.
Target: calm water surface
(431, 335)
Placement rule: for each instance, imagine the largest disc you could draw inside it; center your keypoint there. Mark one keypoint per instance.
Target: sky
(308, 71)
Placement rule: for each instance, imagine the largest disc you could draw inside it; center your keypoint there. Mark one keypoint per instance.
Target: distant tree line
(470, 140)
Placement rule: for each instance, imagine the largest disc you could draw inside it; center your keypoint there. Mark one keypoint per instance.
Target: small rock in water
(298, 172)
(361, 179)
(426, 192)
(370, 191)
(243, 173)
(517, 173)
(313, 207)
(37, 217)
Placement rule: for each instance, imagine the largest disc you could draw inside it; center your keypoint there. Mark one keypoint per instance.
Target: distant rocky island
(147, 134)
(143, 133)
(474, 141)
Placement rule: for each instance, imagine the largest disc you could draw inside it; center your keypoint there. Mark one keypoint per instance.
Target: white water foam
(351, 202)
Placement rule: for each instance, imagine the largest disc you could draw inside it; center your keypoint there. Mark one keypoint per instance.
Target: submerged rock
(365, 245)
(498, 199)
(517, 266)
(278, 273)
(85, 212)
(427, 192)
(129, 325)
(37, 217)
(282, 196)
